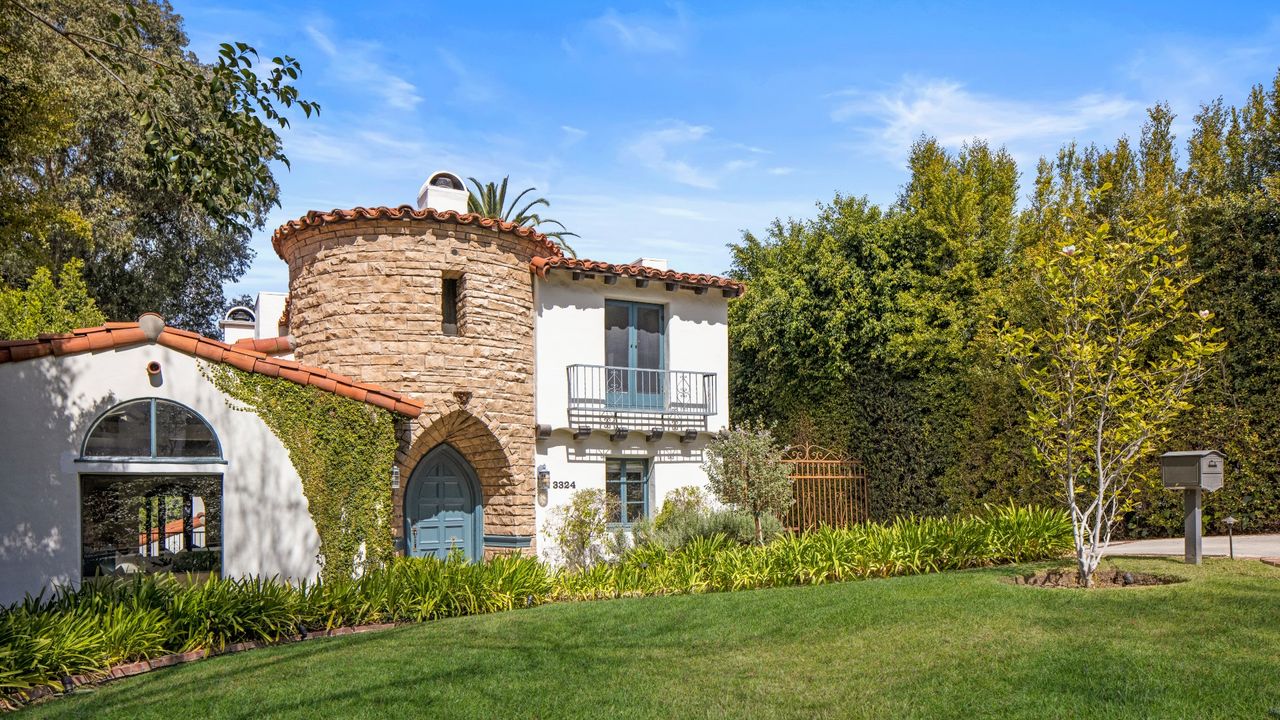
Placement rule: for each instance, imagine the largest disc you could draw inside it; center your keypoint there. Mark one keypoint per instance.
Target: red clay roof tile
(251, 359)
(270, 346)
(541, 266)
(181, 343)
(316, 218)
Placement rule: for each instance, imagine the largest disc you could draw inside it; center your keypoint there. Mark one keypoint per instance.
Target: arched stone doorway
(443, 507)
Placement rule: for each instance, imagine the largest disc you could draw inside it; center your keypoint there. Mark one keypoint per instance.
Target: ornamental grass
(119, 620)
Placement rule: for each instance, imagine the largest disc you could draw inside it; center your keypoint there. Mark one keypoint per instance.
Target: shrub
(746, 471)
(579, 530)
(678, 528)
(714, 562)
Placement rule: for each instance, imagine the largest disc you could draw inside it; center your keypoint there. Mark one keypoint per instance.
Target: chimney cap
(443, 190)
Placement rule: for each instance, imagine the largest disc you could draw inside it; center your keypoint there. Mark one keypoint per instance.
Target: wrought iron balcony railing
(624, 389)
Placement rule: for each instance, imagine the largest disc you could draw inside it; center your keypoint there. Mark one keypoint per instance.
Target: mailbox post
(1194, 472)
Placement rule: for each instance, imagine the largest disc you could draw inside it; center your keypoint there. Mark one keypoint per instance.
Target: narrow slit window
(449, 306)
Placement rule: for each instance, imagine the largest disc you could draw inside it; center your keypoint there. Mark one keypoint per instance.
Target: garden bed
(1067, 577)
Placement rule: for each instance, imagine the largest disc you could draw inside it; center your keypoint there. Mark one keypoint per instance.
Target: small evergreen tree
(45, 306)
(745, 467)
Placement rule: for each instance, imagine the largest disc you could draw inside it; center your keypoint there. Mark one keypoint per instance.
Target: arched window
(240, 313)
(151, 429)
(140, 521)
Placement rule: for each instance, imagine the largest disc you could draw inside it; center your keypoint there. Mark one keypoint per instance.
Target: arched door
(442, 507)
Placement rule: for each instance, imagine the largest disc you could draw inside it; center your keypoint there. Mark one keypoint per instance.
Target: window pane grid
(151, 429)
(627, 490)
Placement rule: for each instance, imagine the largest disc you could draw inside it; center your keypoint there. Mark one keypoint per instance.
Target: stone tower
(438, 305)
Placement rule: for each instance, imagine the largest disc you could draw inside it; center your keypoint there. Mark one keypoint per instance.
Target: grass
(961, 644)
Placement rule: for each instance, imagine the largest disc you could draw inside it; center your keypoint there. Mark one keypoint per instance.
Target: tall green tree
(119, 148)
(861, 329)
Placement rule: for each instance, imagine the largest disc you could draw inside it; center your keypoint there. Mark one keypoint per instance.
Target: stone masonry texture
(365, 301)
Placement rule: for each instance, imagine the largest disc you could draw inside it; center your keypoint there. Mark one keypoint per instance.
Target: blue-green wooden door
(442, 507)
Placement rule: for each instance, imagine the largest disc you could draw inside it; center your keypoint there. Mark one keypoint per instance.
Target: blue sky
(664, 130)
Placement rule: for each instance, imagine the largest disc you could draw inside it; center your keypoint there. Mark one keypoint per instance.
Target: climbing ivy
(342, 449)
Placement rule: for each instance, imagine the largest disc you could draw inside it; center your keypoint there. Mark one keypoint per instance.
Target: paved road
(1246, 546)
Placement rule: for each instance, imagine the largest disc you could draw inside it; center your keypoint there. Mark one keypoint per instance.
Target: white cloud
(571, 135)
(780, 170)
(891, 120)
(668, 149)
(355, 64)
(1188, 71)
(618, 224)
(644, 34)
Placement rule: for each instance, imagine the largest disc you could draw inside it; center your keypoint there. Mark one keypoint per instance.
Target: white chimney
(655, 263)
(443, 191)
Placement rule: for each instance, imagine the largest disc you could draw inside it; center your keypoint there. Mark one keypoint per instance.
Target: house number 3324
(563, 484)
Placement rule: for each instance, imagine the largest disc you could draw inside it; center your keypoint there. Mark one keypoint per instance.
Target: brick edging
(117, 672)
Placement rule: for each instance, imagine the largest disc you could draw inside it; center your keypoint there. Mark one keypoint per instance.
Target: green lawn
(962, 645)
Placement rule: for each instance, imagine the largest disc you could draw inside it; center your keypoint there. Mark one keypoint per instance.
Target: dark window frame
(137, 550)
(152, 456)
(450, 305)
(622, 482)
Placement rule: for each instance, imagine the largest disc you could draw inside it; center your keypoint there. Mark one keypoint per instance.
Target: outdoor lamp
(395, 477)
(1231, 541)
(544, 484)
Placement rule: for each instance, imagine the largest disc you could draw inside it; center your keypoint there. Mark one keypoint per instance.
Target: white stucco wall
(47, 406)
(570, 330)
(269, 307)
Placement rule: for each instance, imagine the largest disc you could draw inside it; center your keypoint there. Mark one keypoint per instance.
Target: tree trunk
(759, 532)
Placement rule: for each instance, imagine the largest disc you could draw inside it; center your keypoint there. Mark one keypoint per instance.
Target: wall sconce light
(618, 434)
(395, 477)
(544, 485)
(655, 434)
(689, 436)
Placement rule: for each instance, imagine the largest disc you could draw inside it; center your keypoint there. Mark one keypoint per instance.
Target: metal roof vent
(443, 191)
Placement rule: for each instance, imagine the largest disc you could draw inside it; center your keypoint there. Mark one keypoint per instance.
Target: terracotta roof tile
(541, 266)
(316, 218)
(251, 359)
(270, 346)
(181, 343)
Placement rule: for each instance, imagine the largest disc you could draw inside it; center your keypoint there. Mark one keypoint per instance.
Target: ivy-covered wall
(342, 449)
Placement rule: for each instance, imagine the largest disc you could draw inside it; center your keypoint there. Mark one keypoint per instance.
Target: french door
(634, 351)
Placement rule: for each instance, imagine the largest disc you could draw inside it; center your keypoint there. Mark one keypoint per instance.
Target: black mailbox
(1192, 470)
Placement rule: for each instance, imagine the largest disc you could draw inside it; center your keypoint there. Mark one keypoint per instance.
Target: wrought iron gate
(829, 489)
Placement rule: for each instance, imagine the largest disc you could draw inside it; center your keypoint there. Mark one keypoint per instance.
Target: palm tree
(490, 200)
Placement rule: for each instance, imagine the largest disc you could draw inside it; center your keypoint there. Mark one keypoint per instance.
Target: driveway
(1252, 546)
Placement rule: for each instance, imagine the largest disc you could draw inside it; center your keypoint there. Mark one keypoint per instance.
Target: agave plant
(490, 200)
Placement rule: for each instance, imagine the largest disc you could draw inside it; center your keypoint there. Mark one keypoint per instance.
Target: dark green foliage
(342, 449)
(119, 148)
(860, 331)
(112, 621)
(865, 330)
